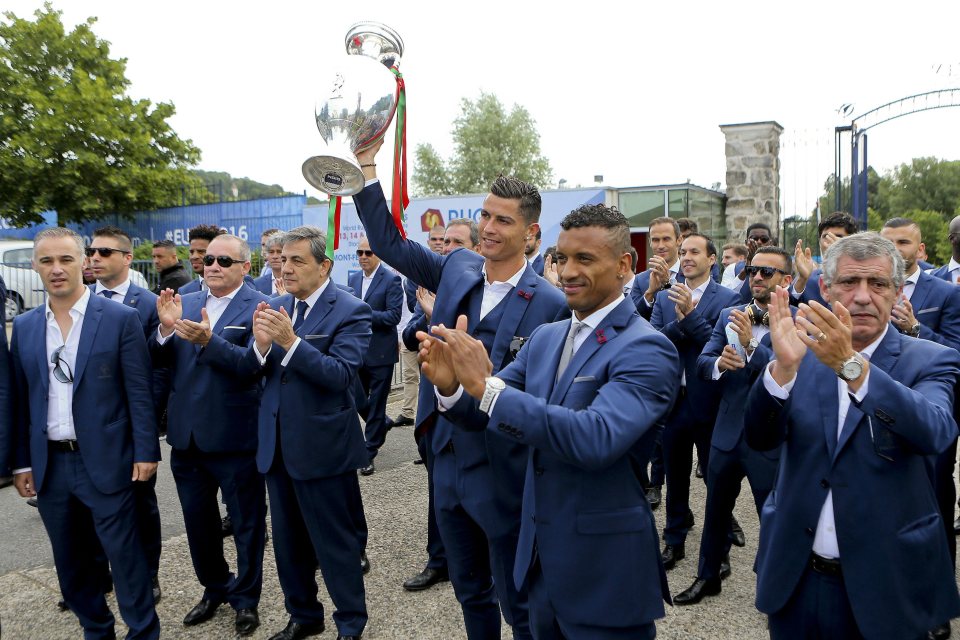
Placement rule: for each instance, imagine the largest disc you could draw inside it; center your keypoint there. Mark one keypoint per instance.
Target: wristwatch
(851, 368)
(490, 393)
(754, 343)
(914, 331)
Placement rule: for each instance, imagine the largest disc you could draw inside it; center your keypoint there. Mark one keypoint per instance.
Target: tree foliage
(488, 141)
(71, 139)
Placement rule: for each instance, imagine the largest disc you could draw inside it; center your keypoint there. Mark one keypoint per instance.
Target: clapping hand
(803, 260)
(902, 315)
(195, 332)
(550, 271)
(426, 300)
(682, 296)
(471, 363)
(169, 310)
(273, 325)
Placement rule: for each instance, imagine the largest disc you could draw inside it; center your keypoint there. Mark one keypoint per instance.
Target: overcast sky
(633, 91)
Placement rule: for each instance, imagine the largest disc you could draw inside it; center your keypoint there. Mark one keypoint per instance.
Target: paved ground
(395, 501)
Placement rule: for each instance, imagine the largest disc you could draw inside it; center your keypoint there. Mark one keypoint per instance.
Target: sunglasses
(105, 252)
(765, 272)
(224, 261)
(66, 377)
(362, 252)
(760, 238)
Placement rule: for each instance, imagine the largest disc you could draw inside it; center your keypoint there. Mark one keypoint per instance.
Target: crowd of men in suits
(553, 400)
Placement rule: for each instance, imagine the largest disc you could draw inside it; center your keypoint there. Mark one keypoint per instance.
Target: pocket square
(317, 336)
(585, 379)
(242, 328)
(930, 310)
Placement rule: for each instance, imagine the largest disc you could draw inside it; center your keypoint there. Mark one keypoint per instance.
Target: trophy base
(333, 175)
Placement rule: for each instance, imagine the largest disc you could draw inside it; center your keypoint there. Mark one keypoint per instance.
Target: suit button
(824, 483)
(809, 531)
(538, 471)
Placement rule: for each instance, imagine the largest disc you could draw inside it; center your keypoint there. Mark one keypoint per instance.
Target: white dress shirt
(120, 290)
(628, 285)
(494, 292)
(215, 307)
(910, 284)
(825, 540)
(60, 395)
(954, 270)
(729, 278)
(757, 331)
(366, 280)
(695, 294)
(311, 303)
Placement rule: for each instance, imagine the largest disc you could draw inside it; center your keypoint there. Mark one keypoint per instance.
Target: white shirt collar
(628, 284)
(512, 281)
(229, 296)
(913, 279)
(313, 297)
(121, 288)
(954, 265)
(703, 287)
(533, 257)
(870, 348)
(676, 267)
(594, 319)
(80, 306)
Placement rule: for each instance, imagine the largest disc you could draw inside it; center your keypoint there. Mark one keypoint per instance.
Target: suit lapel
(517, 302)
(234, 309)
(599, 337)
(375, 283)
(920, 292)
(38, 327)
(830, 408)
(472, 277)
(91, 322)
(323, 306)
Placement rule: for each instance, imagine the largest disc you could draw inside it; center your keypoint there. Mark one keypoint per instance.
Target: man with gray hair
(270, 283)
(212, 427)
(853, 544)
(309, 346)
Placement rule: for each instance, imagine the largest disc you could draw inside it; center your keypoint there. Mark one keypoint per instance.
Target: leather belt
(826, 566)
(63, 445)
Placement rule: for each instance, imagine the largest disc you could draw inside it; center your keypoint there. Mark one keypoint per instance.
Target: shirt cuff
(262, 359)
(774, 389)
(370, 182)
(445, 403)
(716, 370)
(286, 358)
(161, 338)
(17, 472)
(797, 294)
(862, 391)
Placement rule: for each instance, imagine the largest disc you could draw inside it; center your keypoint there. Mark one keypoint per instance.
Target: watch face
(754, 343)
(851, 370)
(496, 384)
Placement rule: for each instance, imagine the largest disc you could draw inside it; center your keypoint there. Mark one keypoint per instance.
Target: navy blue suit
(385, 298)
(730, 458)
(896, 570)
(212, 428)
(690, 422)
(640, 284)
(264, 284)
(943, 273)
(477, 479)
(310, 445)
(537, 265)
(810, 292)
(588, 547)
(410, 294)
(115, 426)
(6, 402)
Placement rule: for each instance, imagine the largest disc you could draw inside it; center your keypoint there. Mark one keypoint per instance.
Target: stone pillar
(753, 176)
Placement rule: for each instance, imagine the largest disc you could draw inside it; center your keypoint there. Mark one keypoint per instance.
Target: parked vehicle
(24, 287)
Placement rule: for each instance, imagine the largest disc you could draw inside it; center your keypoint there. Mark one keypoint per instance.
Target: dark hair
(539, 235)
(269, 232)
(116, 233)
(896, 223)
(665, 220)
(316, 236)
(738, 249)
(779, 251)
(527, 194)
(552, 252)
(205, 232)
(711, 247)
(165, 244)
(686, 224)
(760, 225)
(838, 219)
(633, 259)
(598, 215)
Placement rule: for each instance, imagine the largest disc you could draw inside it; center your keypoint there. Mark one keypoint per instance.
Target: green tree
(488, 141)
(926, 184)
(933, 231)
(71, 139)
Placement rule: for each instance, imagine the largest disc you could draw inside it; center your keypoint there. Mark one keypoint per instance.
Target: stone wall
(753, 176)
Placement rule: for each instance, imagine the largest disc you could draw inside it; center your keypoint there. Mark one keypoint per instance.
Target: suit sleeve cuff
(716, 370)
(161, 338)
(17, 472)
(370, 182)
(286, 358)
(861, 393)
(262, 359)
(774, 389)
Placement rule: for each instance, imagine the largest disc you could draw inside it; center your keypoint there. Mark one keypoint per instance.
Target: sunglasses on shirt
(64, 376)
(364, 252)
(224, 261)
(765, 272)
(105, 252)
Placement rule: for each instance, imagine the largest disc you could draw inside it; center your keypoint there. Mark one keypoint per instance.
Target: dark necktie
(301, 314)
(108, 294)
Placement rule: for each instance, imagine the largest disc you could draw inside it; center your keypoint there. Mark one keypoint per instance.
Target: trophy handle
(375, 40)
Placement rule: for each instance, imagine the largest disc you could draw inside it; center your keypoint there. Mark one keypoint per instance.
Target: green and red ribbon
(400, 200)
(333, 225)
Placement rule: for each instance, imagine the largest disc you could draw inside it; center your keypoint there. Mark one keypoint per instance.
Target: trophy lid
(375, 40)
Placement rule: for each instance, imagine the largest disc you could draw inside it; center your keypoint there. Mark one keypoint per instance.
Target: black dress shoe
(699, 471)
(725, 568)
(939, 632)
(672, 553)
(201, 613)
(157, 594)
(736, 533)
(956, 527)
(403, 421)
(226, 527)
(697, 592)
(426, 579)
(339, 637)
(32, 502)
(368, 470)
(62, 605)
(653, 496)
(688, 521)
(247, 621)
(364, 562)
(295, 631)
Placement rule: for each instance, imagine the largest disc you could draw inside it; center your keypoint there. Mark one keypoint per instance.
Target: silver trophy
(358, 108)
